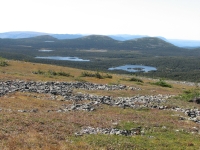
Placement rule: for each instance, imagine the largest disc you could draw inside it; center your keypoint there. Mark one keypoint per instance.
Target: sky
(172, 19)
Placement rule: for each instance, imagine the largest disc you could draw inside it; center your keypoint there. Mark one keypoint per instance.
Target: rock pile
(148, 101)
(56, 88)
(110, 131)
(65, 89)
(192, 114)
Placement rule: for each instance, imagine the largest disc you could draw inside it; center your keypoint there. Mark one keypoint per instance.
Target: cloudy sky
(172, 19)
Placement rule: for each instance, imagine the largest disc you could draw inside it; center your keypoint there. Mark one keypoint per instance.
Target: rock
(196, 100)
(198, 118)
(34, 110)
(111, 131)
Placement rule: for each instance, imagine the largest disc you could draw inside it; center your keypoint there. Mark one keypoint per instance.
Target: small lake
(62, 58)
(134, 68)
(45, 50)
(49, 41)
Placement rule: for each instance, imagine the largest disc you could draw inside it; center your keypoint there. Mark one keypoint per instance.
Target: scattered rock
(110, 131)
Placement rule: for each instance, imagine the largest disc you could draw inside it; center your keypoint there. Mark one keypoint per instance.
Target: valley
(73, 101)
(100, 53)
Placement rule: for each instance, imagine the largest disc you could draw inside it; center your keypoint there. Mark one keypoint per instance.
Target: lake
(49, 41)
(45, 50)
(62, 58)
(134, 68)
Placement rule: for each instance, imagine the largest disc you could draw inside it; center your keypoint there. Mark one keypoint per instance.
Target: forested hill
(92, 42)
(120, 37)
(104, 52)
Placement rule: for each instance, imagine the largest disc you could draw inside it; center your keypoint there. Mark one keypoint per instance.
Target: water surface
(62, 58)
(134, 68)
(45, 50)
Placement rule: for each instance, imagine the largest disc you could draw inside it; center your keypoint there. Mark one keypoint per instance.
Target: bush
(190, 94)
(38, 72)
(61, 73)
(96, 75)
(3, 62)
(133, 79)
(162, 83)
(108, 76)
(87, 74)
(52, 73)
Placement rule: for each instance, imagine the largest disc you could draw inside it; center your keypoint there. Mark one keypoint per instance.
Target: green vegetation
(158, 140)
(190, 94)
(171, 62)
(47, 129)
(127, 125)
(38, 72)
(52, 73)
(3, 62)
(162, 83)
(96, 75)
(133, 79)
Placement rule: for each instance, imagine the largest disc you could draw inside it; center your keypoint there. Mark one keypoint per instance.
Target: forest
(103, 52)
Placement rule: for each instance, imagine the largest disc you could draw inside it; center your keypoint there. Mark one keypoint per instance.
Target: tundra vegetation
(33, 120)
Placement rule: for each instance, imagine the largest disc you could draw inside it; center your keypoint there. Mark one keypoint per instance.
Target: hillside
(94, 42)
(103, 52)
(119, 37)
(53, 107)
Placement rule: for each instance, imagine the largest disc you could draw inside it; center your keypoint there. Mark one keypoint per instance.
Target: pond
(62, 58)
(134, 68)
(49, 41)
(45, 50)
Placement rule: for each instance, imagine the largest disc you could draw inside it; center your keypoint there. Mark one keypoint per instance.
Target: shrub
(108, 76)
(3, 62)
(87, 74)
(96, 75)
(61, 73)
(38, 72)
(52, 73)
(190, 94)
(133, 79)
(162, 83)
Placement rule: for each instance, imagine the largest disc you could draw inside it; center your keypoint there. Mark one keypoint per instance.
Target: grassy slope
(54, 130)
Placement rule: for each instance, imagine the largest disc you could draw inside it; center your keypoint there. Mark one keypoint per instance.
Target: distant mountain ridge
(152, 44)
(119, 37)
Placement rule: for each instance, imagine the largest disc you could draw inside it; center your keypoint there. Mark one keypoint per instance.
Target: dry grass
(52, 130)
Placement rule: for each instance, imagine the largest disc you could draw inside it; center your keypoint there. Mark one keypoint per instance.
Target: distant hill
(185, 43)
(94, 42)
(124, 37)
(120, 37)
(67, 36)
(19, 34)
(29, 34)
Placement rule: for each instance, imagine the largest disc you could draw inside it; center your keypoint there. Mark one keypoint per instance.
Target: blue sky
(173, 19)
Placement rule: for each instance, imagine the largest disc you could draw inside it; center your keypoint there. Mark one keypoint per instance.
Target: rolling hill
(119, 37)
